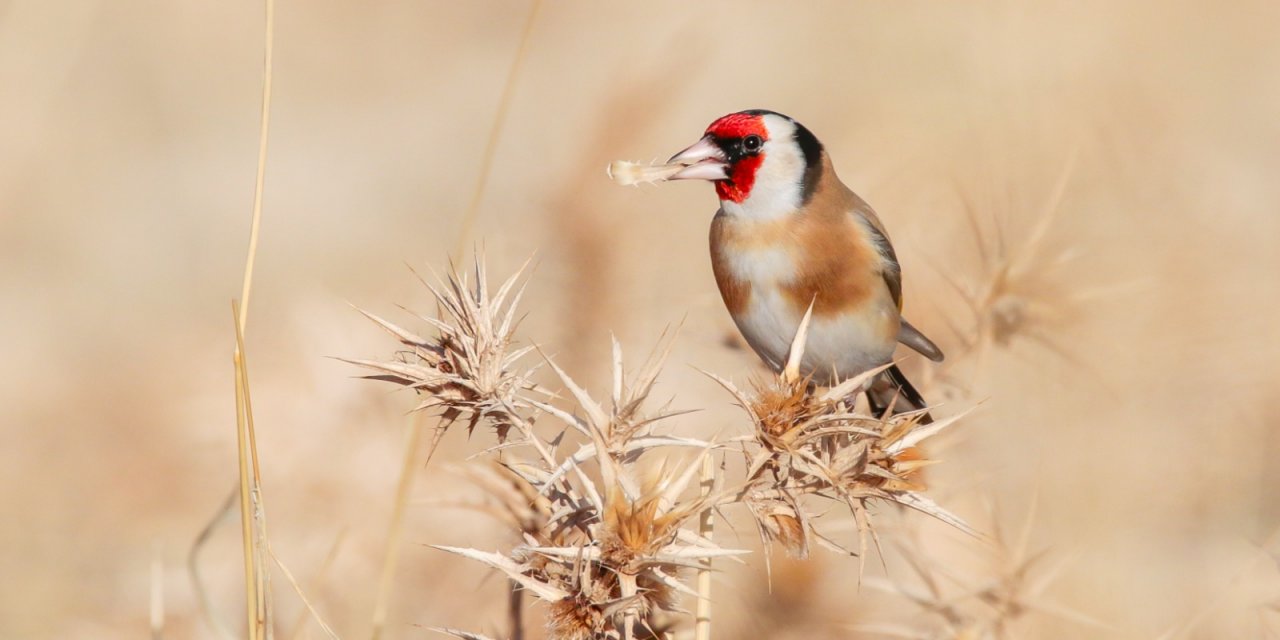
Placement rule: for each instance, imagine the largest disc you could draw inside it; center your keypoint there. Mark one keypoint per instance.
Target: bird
(788, 237)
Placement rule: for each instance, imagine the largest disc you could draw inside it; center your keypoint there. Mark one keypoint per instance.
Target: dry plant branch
(300, 622)
(252, 511)
(241, 325)
(252, 508)
(260, 178)
(208, 613)
(306, 602)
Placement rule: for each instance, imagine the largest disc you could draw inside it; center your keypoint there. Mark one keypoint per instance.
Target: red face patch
(731, 130)
(742, 176)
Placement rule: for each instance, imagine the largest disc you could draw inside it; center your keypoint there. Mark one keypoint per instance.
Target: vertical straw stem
(260, 179)
(706, 522)
(246, 511)
(515, 610)
(256, 583)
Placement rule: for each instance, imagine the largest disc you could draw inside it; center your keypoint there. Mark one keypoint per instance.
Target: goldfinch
(789, 234)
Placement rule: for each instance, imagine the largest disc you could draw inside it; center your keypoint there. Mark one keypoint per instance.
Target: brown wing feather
(891, 271)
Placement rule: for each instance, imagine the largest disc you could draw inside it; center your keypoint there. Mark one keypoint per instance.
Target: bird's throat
(742, 177)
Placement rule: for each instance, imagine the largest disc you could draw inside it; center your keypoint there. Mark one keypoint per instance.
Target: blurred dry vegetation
(1083, 195)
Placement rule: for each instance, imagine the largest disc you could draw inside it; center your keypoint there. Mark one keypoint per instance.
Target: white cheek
(776, 192)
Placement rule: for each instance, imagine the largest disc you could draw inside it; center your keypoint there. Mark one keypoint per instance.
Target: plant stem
(515, 610)
(706, 522)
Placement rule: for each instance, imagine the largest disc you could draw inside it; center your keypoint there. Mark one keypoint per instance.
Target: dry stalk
(264, 129)
(253, 528)
(207, 610)
(300, 622)
(706, 525)
(252, 508)
(515, 610)
(306, 602)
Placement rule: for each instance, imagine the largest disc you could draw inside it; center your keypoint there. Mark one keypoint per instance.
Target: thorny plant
(981, 607)
(813, 444)
(468, 370)
(1020, 291)
(603, 507)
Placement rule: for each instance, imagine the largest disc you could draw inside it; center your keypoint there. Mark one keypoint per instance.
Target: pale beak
(703, 161)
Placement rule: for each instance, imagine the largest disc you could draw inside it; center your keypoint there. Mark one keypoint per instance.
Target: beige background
(1146, 435)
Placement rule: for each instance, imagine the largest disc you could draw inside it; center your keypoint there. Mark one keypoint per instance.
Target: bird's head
(763, 164)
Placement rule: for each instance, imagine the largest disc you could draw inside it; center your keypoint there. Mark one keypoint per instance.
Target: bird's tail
(891, 383)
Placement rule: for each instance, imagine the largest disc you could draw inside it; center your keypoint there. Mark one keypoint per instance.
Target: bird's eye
(752, 143)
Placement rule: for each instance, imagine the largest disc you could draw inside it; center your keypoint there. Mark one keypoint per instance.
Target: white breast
(838, 347)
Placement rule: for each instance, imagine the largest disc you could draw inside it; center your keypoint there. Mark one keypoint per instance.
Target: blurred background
(1083, 195)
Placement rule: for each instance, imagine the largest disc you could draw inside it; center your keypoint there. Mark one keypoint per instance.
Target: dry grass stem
(252, 512)
(706, 527)
(264, 130)
(300, 622)
(207, 610)
(306, 602)
(252, 509)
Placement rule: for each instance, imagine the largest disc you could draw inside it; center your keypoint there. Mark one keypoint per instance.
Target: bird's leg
(876, 407)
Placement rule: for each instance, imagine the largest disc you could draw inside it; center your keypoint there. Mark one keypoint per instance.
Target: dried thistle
(1021, 294)
(618, 566)
(986, 609)
(811, 444)
(606, 547)
(625, 431)
(468, 370)
(780, 520)
(508, 498)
